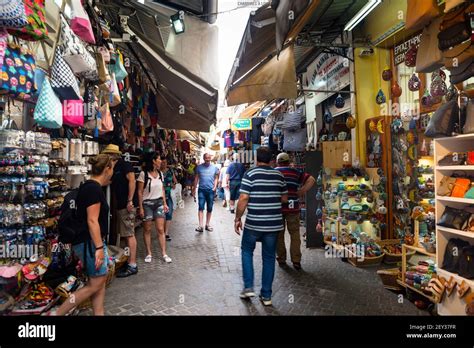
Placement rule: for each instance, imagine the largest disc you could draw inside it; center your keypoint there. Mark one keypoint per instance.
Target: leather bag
(443, 120)
(420, 13)
(429, 57)
(446, 186)
(454, 218)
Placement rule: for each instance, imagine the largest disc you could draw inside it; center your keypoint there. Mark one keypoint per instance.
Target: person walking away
(169, 180)
(92, 208)
(298, 184)
(190, 174)
(123, 190)
(235, 173)
(207, 177)
(224, 185)
(263, 191)
(152, 203)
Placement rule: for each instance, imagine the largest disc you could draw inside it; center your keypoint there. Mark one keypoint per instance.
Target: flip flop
(199, 229)
(209, 228)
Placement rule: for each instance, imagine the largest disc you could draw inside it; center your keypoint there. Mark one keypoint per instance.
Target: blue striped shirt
(265, 187)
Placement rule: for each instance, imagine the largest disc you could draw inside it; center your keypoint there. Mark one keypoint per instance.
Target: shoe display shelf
(451, 305)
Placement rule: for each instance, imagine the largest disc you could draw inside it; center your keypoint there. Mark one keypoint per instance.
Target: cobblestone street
(205, 278)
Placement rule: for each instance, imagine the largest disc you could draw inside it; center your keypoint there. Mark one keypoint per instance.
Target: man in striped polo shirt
(262, 192)
(298, 184)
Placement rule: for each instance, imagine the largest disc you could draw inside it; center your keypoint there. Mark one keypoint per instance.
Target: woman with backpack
(152, 203)
(92, 208)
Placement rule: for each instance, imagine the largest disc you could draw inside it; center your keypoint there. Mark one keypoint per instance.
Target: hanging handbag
(48, 110)
(429, 57)
(75, 53)
(458, 75)
(18, 72)
(443, 120)
(12, 14)
(3, 45)
(63, 80)
(105, 53)
(466, 262)
(36, 28)
(446, 186)
(114, 93)
(451, 4)
(73, 113)
(119, 68)
(104, 76)
(80, 22)
(458, 55)
(89, 102)
(470, 194)
(461, 186)
(106, 122)
(470, 158)
(420, 13)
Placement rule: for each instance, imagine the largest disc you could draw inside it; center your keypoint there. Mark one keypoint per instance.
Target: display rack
(452, 305)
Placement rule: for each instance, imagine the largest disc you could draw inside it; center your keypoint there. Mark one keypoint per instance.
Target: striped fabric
(294, 179)
(265, 186)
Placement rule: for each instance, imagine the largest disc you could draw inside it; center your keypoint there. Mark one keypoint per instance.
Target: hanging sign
(328, 72)
(401, 49)
(242, 124)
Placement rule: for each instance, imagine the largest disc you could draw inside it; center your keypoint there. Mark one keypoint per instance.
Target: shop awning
(259, 74)
(252, 109)
(187, 98)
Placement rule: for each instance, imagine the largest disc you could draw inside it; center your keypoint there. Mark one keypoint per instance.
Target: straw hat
(112, 149)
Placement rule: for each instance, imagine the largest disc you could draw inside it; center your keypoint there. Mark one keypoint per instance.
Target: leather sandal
(437, 288)
(463, 289)
(450, 284)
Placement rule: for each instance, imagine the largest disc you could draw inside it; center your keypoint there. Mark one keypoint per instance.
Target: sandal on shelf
(436, 285)
(450, 284)
(463, 289)
(209, 228)
(199, 229)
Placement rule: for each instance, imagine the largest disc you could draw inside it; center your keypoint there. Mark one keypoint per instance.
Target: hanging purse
(48, 109)
(429, 57)
(63, 80)
(18, 72)
(119, 68)
(75, 53)
(36, 28)
(455, 57)
(420, 13)
(114, 93)
(443, 120)
(104, 76)
(80, 22)
(105, 53)
(459, 75)
(451, 4)
(12, 14)
(106, 122)
(73, 113)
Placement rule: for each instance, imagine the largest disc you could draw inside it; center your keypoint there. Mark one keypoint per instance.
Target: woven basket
(393, 258)
(110, 275)
(366, 261)
(389, 278)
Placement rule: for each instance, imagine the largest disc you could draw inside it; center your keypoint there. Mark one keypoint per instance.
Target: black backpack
(72, 230)
(466, 262)
(452, 254)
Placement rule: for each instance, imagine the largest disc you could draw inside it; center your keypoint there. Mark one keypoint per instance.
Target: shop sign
(328, 72)
(401, 49)
(242, 124)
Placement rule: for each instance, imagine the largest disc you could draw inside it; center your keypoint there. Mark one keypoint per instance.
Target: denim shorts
(154, 209)
(234, 187)
(206, 197)
(88, 259)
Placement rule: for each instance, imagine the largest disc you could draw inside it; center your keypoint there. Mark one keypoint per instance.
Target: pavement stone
(205, 278)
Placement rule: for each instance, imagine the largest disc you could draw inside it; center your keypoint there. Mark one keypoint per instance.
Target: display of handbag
(469, 124)
(106, 122)
(446, 186)
(12, 14)
(451, 4)
(73, 113)
(48, 110)
(455, 58)
(119, 68)
(105, 53)
(443, 120)
(89, 102)
(75, 53)
(429, 57)
(18, 72)
(454, 218)
(294, 140)
(453, 159)
(463, 72)
(36, 28)
(410, 56)
(115, 98)
(63, 80)
(420, 13)
(80, 22)
(104, 76)
(460, 187)
(466, 262)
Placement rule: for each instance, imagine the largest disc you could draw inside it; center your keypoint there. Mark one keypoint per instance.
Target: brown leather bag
(454, 57)
(429, 57)
(454, 17)
(420, 13)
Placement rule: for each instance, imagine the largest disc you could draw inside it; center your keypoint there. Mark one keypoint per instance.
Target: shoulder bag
(12, 14)
(63, 80)
(73, 113)
(80, 22)
(443, 120)
(48, 110)
(36, 28)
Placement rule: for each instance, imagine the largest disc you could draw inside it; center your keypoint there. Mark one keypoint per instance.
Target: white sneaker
(148, 258)
(167, 259)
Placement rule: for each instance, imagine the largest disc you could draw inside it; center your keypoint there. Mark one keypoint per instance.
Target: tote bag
(119, 70)
(36, 28)
(12, 14)
(63, 80)
(106, 124)
(420, 13)
(48, 110)
(80, 22)
(73, 113)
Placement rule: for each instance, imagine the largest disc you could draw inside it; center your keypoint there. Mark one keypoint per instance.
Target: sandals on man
(199, 229)
(209, 228)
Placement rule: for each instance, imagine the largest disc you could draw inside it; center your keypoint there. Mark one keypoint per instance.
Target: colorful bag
(63, 80)
(18, 72)
(73, 113)
(48, 110)
(460, 187)
(3, 45)
(119, 68)
(470, 193)
(36, 28)
(106, 124)
(80, 23)
(12, 14)
(114, 93)
(75, 53)
(420, 13)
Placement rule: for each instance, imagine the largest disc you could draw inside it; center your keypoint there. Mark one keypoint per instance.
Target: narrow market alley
(205, 279)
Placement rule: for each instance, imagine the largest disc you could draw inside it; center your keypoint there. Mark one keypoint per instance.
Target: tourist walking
(235, 173)
(298, 183)
(262, 192)
(170, 181)
(207, 177)
(152, 203)
(224, 184)
(92, 208)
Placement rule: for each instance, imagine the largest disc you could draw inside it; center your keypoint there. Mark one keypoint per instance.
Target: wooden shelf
(405, 285)
(456, 232)
(419, 250)
(455, 199)
(454, 167)
(457, 137)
